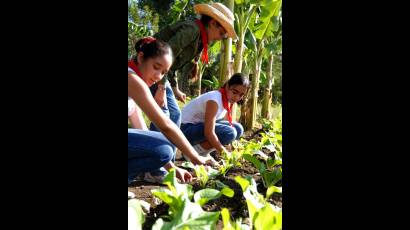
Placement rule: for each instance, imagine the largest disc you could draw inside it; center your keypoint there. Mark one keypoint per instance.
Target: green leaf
(273, 177)
(252, 146)
(214, 49)
(259, 165)
(203, 196)
(268, 218)
(269, 9)
(219, 184)
(270, 163)
(188, 164)
(189, 216)
(250, 41)
(226, 219)
(242, 182)
(207, 83)
(254, 1)
(135, 215)
(178, 189)
(227, 192)
(202, 175)
(212, 173)
(271, 190)
(166, 195)
(238, 2)
(254, 201)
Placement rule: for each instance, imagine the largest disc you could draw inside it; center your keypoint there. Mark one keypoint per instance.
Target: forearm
(214, 141)
(175, 135)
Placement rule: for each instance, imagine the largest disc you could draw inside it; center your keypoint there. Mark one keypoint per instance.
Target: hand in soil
(183, 175)
(209, 160)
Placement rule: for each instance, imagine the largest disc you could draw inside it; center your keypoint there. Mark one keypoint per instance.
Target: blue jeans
(171, 109)
(225, 133)
(148, 151)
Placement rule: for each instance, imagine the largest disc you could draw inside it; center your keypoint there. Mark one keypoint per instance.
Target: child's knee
(164, 154)
(239, 130)
(228, 136)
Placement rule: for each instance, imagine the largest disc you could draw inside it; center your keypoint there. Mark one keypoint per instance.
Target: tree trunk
(246, 109)
(267, 98)
(255, 88)
(200, 73)
(227, 51)
(239, 54)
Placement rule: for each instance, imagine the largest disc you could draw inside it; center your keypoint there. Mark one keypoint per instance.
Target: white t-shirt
(131, 106)
(131, 102)
(194, 111)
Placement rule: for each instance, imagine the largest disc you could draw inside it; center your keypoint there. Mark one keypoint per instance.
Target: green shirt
(184, 37)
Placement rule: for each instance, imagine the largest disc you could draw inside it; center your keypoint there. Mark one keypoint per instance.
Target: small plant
(263, 215)
(270, 174)
(135, 215)
(231, 159)
(230, 225)
(182, 212)
(203, 174)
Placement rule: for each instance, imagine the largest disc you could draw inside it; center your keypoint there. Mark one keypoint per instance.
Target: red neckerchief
(226, 104)
(133, 66)
(204, 39)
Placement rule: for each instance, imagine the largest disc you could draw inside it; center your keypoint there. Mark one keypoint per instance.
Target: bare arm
(138, 91)
(209, 125)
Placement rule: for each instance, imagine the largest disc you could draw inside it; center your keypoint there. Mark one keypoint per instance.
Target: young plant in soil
(263, 215)
(182, 212)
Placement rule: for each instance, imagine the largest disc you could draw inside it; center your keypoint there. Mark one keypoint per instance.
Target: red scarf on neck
(204, 39)
(226, 105)
(133, 66)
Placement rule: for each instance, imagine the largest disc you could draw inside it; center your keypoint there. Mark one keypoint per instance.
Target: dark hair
(205, 19)
(238, 79)
(152, 48)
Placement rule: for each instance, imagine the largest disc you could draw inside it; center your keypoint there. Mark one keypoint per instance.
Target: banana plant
(226, 51)
(264, 27)
(273, 48)
(244, 11)
(178, 10)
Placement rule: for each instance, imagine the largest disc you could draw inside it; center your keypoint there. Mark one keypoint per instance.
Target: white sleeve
(131, 106)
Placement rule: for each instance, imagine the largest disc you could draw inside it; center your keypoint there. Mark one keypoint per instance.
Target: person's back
(184, 38)
(194, 111)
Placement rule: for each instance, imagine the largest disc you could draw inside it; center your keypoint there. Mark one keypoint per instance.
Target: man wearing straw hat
(188, 39)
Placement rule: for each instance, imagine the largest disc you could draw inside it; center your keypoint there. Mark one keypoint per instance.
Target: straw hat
(220, 13)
